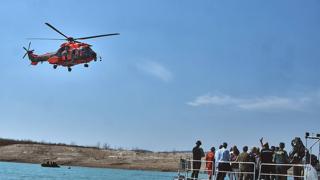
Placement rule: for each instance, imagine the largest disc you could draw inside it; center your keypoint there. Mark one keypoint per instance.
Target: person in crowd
(281, 157)
(197, 153)
(273, 168)
(254, 157)
(243, 167)
(210, 161)
(266, 156)
(234, 153)
(222, 161)
(296, 156)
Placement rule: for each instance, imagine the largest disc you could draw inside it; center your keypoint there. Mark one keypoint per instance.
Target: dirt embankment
(91, 157)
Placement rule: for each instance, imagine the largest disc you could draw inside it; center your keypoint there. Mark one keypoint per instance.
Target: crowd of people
(245, 164)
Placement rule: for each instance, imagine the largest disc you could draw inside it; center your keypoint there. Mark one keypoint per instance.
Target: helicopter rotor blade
(56, 30)
(24, 55)
(58, 39)
(90, 37)
(29, 45)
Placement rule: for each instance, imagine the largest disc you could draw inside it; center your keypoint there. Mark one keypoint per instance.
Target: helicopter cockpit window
(85, 51)
(59, 52)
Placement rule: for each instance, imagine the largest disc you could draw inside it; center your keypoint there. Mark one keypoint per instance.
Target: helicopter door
(73, 54)
(64, 53)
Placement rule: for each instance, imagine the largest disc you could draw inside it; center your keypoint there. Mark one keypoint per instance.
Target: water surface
(24, 171)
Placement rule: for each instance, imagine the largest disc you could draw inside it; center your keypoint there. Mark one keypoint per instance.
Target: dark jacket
(197, 153)
(266, 156)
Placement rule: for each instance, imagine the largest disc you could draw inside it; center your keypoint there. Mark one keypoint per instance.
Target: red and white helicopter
(69, 54)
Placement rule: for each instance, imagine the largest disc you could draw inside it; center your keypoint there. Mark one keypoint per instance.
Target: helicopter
(70, 53)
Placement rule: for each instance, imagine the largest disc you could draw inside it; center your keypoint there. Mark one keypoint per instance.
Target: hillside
(89, 156)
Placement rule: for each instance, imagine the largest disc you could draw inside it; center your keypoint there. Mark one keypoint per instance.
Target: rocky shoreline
(92, 157)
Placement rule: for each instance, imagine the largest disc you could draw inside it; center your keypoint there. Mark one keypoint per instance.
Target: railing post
(259, 175)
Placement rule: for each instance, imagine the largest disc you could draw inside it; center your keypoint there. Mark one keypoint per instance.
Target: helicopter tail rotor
(28, 51)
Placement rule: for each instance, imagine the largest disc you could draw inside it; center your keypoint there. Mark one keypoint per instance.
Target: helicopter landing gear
(86, 65)
(69, 69)
(55, 66)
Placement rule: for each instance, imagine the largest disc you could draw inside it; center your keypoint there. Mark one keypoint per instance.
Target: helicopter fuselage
(69, 54)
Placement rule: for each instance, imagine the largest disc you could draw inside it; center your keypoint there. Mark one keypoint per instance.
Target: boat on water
(50, 164)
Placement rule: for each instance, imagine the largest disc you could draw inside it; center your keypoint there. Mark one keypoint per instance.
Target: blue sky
(180, 71)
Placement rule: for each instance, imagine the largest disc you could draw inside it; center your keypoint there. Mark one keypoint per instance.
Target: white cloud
(274, 103)
(214, 100)
(156, 69)
(257, 103)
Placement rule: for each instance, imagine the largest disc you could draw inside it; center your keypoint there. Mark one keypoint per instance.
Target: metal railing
(186, 167)
(285, 166)
(304, 168)
(203, 164)
(250, 165)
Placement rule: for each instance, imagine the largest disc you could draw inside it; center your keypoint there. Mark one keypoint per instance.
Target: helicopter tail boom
(34, 58)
